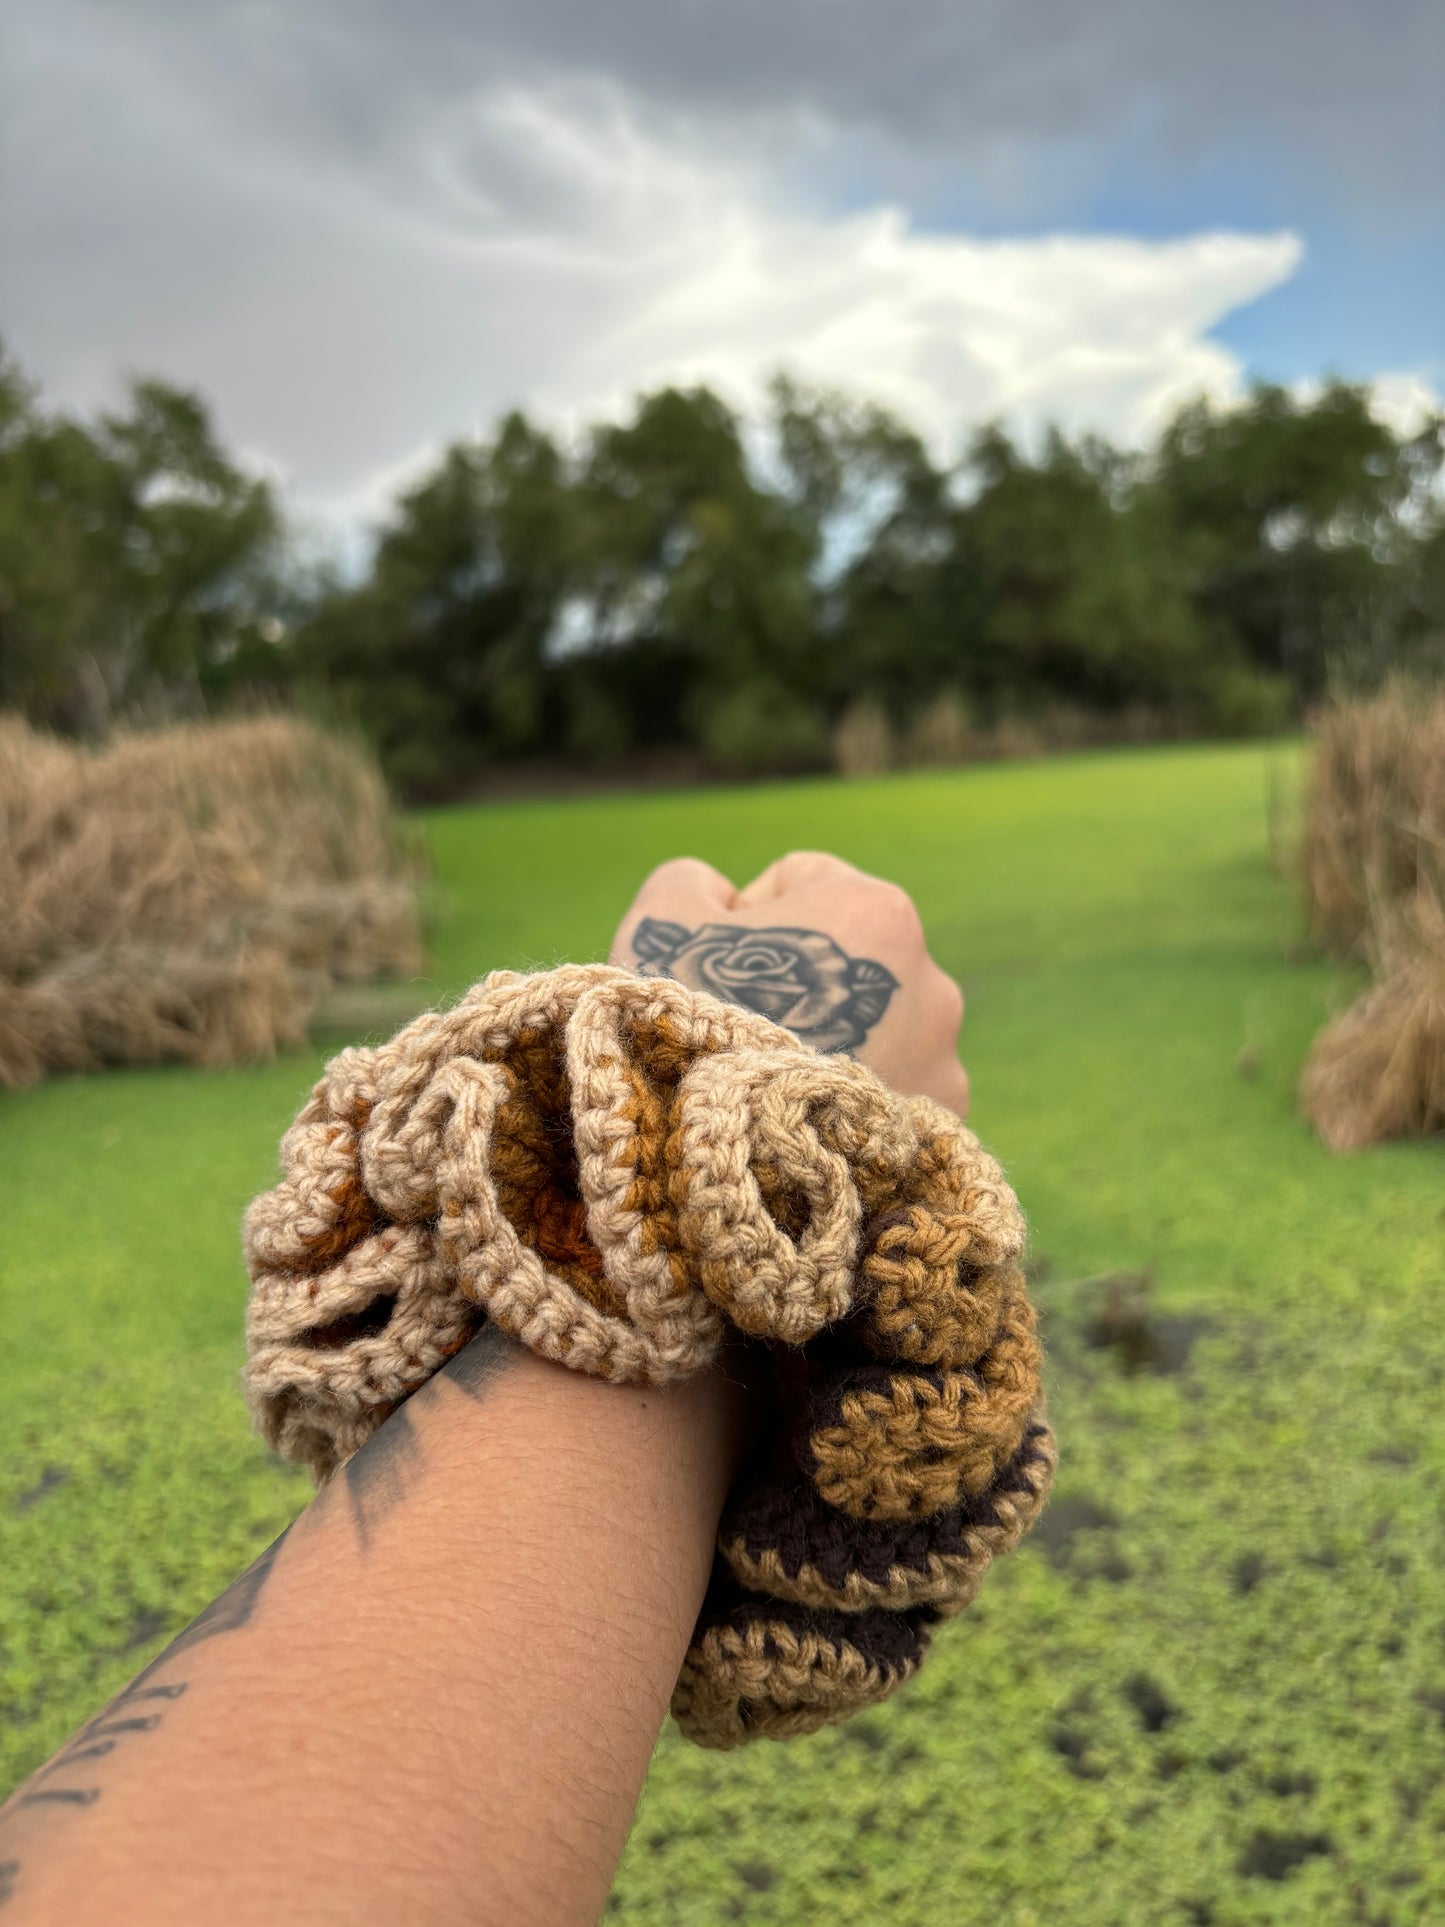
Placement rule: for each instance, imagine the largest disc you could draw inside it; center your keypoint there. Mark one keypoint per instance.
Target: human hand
(835, 955)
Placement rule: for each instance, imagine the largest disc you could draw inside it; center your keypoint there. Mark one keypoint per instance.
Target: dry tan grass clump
(864, 741)
(1374, 815)
(189, 894)
(1374, 862)
(942, 735)
(1378, 1071)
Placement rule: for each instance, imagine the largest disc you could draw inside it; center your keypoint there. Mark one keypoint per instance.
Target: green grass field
(1211, 1691)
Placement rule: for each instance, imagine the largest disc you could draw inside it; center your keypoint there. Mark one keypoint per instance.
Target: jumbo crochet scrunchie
(616, 1169)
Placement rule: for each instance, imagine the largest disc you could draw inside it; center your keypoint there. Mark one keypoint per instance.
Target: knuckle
(950, 998)
(676, 871)
(812, 866)
(894, 905)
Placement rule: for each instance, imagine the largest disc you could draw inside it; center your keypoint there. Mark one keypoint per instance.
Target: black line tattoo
(474, 1367)
(376, 1478)
(147, 1724)
(73, 1753)
(171, 1692)
(227, 1614)
(118, 1722)
(799, 978)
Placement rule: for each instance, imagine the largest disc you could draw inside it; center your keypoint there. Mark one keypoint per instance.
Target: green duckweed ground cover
(1212, 1690)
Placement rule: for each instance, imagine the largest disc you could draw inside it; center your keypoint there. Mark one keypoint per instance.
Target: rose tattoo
(799, 978)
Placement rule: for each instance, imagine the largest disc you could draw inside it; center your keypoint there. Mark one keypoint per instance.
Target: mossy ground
(1211, 1691)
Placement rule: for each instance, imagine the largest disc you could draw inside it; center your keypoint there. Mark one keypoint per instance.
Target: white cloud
(618, 261)
(543, 247)
(1404, 402)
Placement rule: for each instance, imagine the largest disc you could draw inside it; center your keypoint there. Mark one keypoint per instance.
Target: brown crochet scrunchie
(615, 1169)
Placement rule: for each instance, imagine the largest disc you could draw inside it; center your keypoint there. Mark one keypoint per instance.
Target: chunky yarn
(617, 1171)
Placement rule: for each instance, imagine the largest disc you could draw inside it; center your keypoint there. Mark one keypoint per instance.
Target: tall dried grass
(1374, 816)
(1374, 868)
(942, 734)
(189, 894)
(865, 742)
(1378, 1071)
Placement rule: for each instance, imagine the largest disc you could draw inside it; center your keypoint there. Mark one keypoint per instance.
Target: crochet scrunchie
(616, 1169)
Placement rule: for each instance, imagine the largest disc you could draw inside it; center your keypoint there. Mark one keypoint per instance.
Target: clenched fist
(832, 954)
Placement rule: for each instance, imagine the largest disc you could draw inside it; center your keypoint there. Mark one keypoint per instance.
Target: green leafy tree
(441, 652)
(138, 562)
(1081, 600)
(700, 578)
(1302, 520)
(895, 622)
(677, 582)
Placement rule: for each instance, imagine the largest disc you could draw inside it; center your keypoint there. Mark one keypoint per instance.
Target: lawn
(1211, 1691)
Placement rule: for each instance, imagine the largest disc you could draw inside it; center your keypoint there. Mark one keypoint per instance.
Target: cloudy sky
(363, 228)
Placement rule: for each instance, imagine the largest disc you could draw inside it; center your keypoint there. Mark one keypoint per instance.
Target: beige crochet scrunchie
(615, 1170)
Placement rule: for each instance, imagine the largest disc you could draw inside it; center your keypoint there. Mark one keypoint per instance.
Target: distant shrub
(864, 741)
(1243, 701)
(1374, 869)
(1015, 737)
(942, 735)
(760, 728)
(1070, 726)
(189, 894)
(599, 730)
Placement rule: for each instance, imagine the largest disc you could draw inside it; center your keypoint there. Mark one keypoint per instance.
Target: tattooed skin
(140, 1707)
(478, 1363)
(68, 1782)
(374, 1480)
(799, 978)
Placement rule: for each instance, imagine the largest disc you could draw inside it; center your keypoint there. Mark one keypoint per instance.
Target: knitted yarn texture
(616, 1170)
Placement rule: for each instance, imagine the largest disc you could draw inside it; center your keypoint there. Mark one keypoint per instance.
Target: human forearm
(436, 1700)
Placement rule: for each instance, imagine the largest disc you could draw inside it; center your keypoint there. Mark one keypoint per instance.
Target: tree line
(683, 581)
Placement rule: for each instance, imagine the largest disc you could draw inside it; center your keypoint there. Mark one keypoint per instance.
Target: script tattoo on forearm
(374, 1480)
(70, 1780)
(799, 978)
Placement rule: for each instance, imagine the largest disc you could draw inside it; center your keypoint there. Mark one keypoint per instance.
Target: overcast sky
(364, 228)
